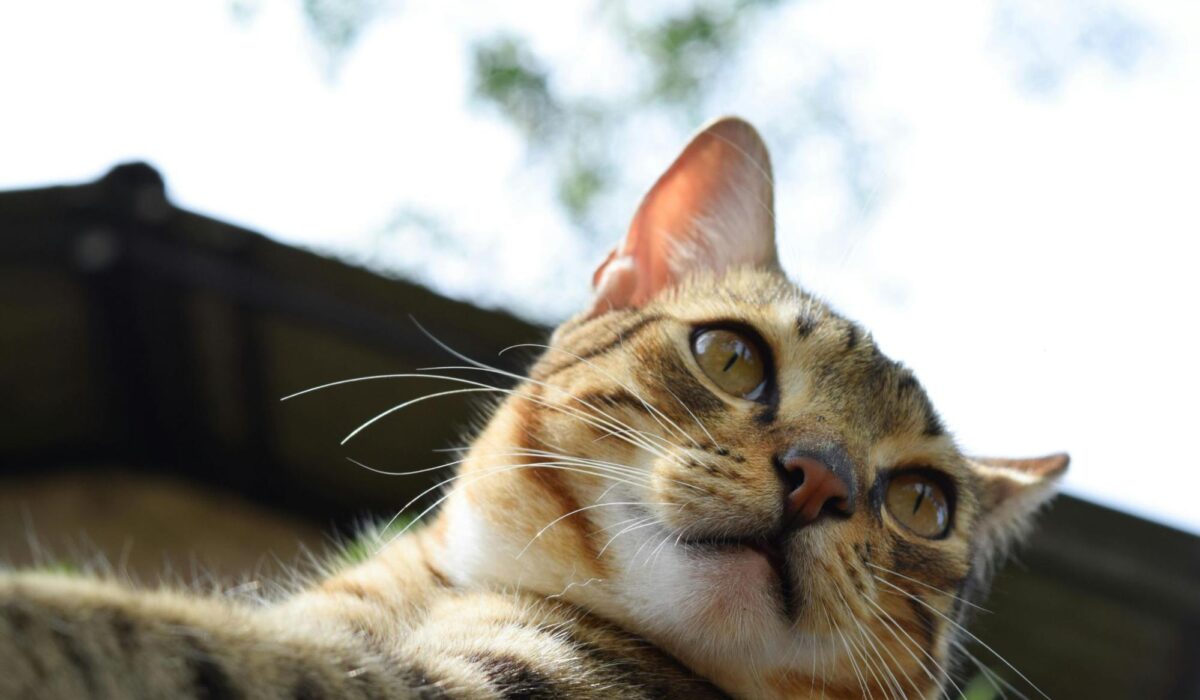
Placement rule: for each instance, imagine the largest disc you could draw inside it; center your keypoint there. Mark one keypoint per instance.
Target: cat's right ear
(1011, 491)
(713, 209)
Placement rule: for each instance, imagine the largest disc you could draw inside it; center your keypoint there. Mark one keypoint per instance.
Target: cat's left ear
(1012, 490)
(713, 209)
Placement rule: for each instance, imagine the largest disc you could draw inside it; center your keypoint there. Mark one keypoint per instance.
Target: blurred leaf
(685, 51)
(681, 50)
(981, 687)
(579, 185)
(337, 24)
(682, 53)
(508, 76)
(244, 11)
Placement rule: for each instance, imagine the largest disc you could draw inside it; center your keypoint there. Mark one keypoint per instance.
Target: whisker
(638, 475)
(410, 402)
(936, 679)
(862, 681)
(564, 516)
(930, 587)
(592, 461)
(687, 408)
(481, 365)
(824, 663)
(624, 471)
(654, 411)
(853, 649)
(595, 409)
(425, 470)
(603, 423)
(991, 676)
(863, 632)
(566, 466)
(641, 522)
(964, 630)
(619, 523)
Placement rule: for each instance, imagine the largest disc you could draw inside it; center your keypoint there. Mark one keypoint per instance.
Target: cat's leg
(72, 637)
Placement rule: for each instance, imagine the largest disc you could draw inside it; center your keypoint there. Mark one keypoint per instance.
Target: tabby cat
(708, 485)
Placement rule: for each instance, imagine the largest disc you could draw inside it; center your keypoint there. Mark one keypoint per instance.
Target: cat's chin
(745, 560)
(719, 599)
(739, 579)
(719, 608)
(715, 606)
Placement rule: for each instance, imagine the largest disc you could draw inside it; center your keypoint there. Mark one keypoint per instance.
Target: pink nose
(814, 486)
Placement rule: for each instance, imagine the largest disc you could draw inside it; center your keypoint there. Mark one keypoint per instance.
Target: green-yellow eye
(919, 504)
(731, 361)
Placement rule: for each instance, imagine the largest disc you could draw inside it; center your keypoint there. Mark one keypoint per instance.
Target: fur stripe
(517, 679)
(551, 481)
(209, 679)
(306, 689)
(926, 624)
(419, 680)
(805, 325)
(852, 336)
(933, 426)
(123, 631)
(622, 335)
(613, 397)
(69, 646)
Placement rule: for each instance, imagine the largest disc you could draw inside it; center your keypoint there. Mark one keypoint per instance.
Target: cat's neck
(492, 529)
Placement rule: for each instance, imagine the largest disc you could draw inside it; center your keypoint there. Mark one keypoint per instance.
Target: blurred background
(205, 207)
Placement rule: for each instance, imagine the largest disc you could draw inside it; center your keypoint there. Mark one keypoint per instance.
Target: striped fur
(351, 637)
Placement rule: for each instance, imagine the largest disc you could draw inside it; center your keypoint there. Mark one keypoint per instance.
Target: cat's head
(713, 458)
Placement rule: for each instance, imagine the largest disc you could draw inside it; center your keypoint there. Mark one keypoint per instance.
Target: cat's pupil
(922, 489)
(919, 503)
(733, 362)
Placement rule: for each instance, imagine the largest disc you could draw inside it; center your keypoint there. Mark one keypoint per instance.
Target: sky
(1030, 249)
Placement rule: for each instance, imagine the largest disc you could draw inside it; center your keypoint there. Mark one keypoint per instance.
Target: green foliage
(579, 184)
(682, 54)
(338, 23)
(59, 567)
(981, 688)
(508, 76)
(684, 50)
(674, 64)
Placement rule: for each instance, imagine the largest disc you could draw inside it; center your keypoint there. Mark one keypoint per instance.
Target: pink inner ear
(712, 209)
(1012, 478)
(1042, 467)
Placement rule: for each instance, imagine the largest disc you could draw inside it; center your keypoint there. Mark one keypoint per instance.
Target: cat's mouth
(770, 548)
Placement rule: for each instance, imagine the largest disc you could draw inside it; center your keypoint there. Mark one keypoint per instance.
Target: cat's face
(738, 473)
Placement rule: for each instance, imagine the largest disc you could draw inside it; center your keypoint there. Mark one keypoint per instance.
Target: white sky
(1032, 256)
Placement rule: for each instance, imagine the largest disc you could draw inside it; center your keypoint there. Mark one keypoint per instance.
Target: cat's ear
(713, 209)
(1012, 491)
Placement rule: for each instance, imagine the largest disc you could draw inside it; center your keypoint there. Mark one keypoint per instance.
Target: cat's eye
(732, 361)
(919, 503)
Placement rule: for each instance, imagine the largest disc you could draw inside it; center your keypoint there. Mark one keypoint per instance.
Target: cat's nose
(818, 482)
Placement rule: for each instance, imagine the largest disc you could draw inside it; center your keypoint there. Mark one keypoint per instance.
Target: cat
(709, 485)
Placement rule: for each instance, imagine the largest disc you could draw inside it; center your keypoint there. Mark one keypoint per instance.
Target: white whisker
(964, 601)
(654, 411)
(964, 630)
(564, 516)
(863, 632)
(410, 402)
